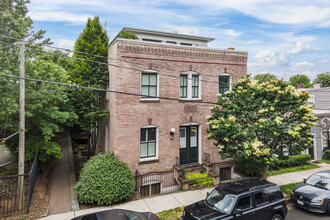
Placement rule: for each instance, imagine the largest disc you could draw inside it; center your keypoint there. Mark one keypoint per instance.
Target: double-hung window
(224, 84)
(148, 142)
(190, 85)
(149, 85)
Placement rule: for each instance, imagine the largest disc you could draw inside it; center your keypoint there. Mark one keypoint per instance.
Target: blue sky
(282, 37)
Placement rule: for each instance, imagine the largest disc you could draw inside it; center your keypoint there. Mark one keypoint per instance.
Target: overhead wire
(126, 61)
(70, 86)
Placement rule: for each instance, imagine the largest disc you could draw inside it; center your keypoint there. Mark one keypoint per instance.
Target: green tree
(258, 121)
(127, 35)
(44, 116)
(323, 78)
(265, 77)
(300, 79)
(87, 103)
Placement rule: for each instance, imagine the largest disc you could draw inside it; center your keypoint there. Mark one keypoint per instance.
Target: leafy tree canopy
(265, 77)
(300, 79)
(127, 35)
(87, 103)
(261, 120)
(323, 78)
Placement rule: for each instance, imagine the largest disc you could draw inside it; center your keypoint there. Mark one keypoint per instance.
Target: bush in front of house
(251, 167)
(326, 155)
(291, 161)
(201, 179)
(248, 166)
(104, 180)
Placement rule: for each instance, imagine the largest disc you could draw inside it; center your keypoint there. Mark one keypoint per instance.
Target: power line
(101, 63)
(104, 90)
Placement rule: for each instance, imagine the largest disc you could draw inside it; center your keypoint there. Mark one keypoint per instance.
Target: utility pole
(21, 125)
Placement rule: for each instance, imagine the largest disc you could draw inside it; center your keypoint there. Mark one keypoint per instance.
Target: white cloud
(251, 42)
(232, 33)
(300, 48)
(323, 61)
(76, 19)
(302, 66)
(65, 43)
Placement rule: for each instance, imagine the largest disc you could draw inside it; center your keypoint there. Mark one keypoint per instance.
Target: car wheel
(328, 209)
(277, 217)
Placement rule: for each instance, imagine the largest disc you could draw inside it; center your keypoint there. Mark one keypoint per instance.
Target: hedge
(326, 155)
(291, 161)
(104, 180)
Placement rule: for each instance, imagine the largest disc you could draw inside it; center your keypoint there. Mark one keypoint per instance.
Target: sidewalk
(174, 200)
(60, 198)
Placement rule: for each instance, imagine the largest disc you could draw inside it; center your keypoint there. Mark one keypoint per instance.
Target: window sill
(185, 100)
(149, 100)
(148, 161)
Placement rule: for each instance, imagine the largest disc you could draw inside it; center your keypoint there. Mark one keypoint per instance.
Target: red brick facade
(128, 114)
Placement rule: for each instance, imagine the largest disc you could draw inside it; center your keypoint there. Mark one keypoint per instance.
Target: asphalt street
(296, 213)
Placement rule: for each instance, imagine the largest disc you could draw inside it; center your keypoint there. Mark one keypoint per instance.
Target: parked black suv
(247, 199)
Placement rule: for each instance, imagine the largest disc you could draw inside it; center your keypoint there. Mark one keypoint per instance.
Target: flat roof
(163, 33)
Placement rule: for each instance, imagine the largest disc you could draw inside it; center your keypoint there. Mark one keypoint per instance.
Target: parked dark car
(118, 214)
(314, 193)
(248, 199)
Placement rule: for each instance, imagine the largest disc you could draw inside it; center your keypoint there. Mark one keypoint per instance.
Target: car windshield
(319, 181)
(221, 200)
(134, 215)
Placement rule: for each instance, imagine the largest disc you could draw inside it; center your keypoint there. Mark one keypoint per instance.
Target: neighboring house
(320, 97)
(154, 135)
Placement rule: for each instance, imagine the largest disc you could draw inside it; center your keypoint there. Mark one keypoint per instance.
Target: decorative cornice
(139, 47)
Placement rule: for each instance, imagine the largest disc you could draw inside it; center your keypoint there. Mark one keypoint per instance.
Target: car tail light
(285, 202)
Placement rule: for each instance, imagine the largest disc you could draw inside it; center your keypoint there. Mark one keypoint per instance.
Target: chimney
(317, 86)
(230, 48)
(300, 86)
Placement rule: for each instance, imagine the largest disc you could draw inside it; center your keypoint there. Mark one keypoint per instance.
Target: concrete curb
(74, 197)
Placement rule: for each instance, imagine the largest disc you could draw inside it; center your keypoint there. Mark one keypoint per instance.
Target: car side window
(260, 198)
(274, 194)
(244, 203)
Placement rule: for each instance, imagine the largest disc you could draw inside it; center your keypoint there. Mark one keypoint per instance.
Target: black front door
(188, 144)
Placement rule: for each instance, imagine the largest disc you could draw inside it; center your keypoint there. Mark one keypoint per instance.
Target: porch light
(172, 132)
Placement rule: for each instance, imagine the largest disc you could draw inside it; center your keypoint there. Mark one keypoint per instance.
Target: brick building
(154, 135)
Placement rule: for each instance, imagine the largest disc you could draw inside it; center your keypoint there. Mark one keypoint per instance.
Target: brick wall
(129, 113)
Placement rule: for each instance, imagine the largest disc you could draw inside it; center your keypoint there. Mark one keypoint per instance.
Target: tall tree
(265, 77)
(258, 121)
(44, 114)
(300, 79)
(87, 103)
(323, 78)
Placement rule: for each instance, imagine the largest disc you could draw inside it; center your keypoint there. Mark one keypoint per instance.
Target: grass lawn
(288, 188)
(172, 214)
(292, 169)
(325, 161)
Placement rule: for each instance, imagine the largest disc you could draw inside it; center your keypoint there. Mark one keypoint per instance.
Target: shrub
(326, 155)
(104, 180)
(248, 166)
(201, 179)
(291, 161)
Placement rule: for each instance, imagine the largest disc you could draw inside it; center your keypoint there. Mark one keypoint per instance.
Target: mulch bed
(40, 200)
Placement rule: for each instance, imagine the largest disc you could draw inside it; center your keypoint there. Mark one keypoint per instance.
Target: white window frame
(230, 80)
(157, 140)
(322, 138)
(157, 89)
(189, 85)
